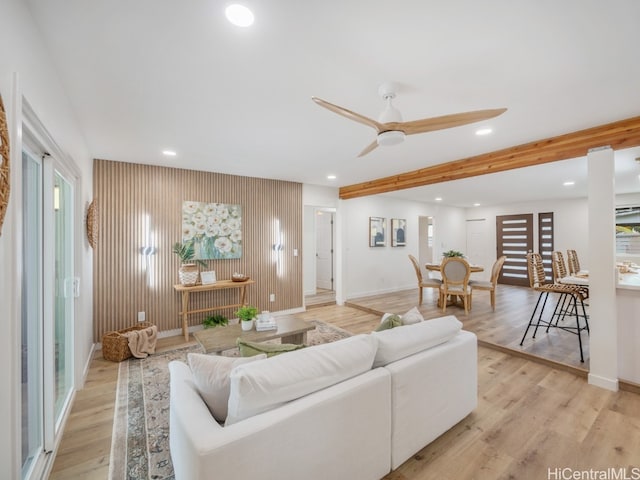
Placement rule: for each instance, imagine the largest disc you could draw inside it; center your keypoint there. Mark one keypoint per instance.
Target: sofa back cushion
(261, 386)
(397, 343)
(211, 378)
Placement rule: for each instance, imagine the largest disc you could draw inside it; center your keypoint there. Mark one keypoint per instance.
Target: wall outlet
(272, 297)
(142, 316)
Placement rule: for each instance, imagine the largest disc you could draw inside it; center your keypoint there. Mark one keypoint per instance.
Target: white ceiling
(148, 75)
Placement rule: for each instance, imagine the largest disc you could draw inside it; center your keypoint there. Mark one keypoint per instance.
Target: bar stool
(573, 293)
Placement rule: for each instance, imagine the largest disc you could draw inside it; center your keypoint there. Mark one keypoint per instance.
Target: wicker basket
(115, 345)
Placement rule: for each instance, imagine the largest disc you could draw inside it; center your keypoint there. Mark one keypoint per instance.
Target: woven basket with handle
(115, 345)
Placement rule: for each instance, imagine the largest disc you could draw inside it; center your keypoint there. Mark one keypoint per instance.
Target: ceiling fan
(390, 128)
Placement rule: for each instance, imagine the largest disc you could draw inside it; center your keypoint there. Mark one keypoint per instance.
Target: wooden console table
(219, 285)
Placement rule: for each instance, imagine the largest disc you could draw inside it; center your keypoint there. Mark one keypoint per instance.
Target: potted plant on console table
(247, 314)
(189, 271)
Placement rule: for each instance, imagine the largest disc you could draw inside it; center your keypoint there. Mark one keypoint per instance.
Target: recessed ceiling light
(239, 15)
(568, 183)
(438, 199)
(169, 153)
(484, 131)
(331, 177)
(476, 204)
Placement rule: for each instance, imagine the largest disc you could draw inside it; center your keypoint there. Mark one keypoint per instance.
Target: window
(628, 230)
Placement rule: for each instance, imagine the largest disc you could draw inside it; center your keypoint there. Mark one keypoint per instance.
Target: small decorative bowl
(239, 278)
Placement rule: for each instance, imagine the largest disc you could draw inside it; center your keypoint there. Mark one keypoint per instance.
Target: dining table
(436, 267)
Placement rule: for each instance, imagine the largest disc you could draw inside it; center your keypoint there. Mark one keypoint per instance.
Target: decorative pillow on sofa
(398, 343)
(262, 386)
(389, 321)
(409, 318)
(412, 316)
(211, 378)
(249, 349)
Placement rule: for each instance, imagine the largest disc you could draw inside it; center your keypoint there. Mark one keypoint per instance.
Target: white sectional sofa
(355, 408)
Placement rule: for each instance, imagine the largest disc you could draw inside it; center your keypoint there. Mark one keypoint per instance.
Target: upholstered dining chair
(492, 283)
(574, 263)
(455, 281)
(423, 282)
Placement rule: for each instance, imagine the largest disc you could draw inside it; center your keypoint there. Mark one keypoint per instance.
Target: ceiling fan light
(392, 137)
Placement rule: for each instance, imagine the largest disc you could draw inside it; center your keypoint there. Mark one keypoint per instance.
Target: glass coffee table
(290, 330)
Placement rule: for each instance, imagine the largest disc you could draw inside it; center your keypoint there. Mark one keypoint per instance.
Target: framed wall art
(377, 232)
(214, 229)
(398, 232)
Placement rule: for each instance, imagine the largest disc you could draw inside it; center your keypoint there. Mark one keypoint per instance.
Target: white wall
(372, 270)
(569, 223)
(22, 52)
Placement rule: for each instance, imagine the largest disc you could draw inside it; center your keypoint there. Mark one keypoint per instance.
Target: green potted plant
(247, 314)
(213, 321)
(189, 271)
(452, 253)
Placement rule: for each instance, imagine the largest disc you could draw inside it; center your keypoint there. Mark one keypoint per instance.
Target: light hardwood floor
(530, 416)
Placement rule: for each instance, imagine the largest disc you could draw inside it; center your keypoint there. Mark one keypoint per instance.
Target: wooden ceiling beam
(617, 135)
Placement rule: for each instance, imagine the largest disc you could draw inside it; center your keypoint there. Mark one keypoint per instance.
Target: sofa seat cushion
(397, 343)
(211, 378)
(262, 386)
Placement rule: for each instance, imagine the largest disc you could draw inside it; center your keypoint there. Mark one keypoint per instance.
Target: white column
(603, 371)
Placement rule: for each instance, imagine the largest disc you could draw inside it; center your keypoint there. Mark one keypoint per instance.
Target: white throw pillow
(398, 343)
(409, 318)
(263, 386)
(211, 378)
(412, 316)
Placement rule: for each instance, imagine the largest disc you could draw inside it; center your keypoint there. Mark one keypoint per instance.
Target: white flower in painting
(209, 209)
(200, 228)
(188, 232)
(236, 236)
(212, 230)
(198, 218)
(234, 223)
(225, 229)
(223, 211)
(223, 244)
(190, 207)
(214, 220)
(234, 210)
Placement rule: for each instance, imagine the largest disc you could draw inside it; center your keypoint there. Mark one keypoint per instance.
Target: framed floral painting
(214, 229)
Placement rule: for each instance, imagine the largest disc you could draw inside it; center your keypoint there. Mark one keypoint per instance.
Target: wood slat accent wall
(141, 206)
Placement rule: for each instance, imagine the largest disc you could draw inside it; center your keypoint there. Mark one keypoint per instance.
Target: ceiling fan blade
(372, 146)
(348, 114)
(445, 121)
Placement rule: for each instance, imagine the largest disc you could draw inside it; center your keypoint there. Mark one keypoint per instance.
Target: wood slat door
(545, 242)
(514, 238)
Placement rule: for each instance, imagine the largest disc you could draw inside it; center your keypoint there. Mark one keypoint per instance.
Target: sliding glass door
(49, 289)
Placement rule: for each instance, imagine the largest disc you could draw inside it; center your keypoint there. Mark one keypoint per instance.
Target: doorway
(325, 220)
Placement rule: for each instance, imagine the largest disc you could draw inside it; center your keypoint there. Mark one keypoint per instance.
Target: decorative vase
(188, 274)
(246, 324)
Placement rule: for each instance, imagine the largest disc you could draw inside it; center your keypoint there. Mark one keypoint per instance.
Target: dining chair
(492, 283)
(427, 282)
(455, 281)
(574, 263)
(575, 293)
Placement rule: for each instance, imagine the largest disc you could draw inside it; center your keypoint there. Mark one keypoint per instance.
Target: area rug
(140, 440)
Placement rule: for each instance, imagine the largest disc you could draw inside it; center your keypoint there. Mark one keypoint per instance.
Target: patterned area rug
(140, 442)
